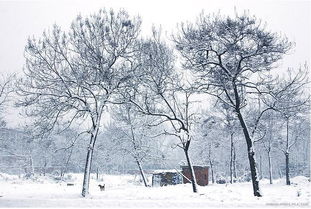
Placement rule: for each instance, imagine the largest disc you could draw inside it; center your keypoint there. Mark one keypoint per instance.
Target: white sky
(20, 19)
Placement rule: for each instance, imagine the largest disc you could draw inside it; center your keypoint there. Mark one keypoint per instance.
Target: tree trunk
(280, 173)
(287, 168)
(31, 166)
(44, 167)
(64, 171)
(260, 166)
(231, 158)
(212, 171)
(88, 163)
(142, 173)
(234, 165)
(135, 149)
(87, 170)
(270, 167)
(211, 162)
(251, 155)
(89, 156)
(287, 153)
(193, 179)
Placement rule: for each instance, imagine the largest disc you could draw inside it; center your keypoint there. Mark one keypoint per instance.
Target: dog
(101, 187)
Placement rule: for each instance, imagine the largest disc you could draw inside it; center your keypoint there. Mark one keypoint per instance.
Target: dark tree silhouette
(70, 77)
(228, 55)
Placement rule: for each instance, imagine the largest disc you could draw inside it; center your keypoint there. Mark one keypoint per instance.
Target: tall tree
(6, 88)
(269, 139)
(70, 77)
(228, 55)
(206, 143)
(161, 93)
(231, 127)
(133, 135)
(289, 97)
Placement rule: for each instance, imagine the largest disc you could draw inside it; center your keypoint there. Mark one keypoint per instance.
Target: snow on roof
(203, 166)
(166, 171)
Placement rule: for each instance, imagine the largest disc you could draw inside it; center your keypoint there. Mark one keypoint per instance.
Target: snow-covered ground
(124, 191)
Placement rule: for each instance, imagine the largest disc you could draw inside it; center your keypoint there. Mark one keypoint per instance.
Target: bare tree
(289, 97)
(160, 93)
(206, 132)
(269, 139)
(133, 136)
(228, 55)
(216, 133)
(67, 147)
(231, 127)
(70, 77)
(6, 88)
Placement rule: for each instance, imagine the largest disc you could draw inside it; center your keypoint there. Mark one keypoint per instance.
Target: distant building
(201, 174)
(173, 177)
(166, 177)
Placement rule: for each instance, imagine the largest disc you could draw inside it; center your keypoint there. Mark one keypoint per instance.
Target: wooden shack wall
(201, 174)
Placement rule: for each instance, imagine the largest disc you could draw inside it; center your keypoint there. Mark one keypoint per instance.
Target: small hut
(164, 178)
(201, 174)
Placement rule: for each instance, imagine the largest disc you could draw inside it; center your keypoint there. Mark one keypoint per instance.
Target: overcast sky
(20, 19)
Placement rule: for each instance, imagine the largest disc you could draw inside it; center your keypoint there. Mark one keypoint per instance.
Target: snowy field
(124, 191)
